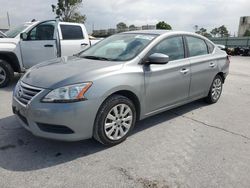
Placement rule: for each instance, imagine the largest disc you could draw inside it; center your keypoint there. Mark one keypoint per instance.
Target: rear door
(203, 66)
(167, 84)
(73, 38)
(40, 44)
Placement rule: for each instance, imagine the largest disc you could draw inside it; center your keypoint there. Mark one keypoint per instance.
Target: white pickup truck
(35, 42)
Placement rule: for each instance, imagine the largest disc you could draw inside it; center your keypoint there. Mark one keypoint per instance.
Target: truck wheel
(6, 73)
(115, 120)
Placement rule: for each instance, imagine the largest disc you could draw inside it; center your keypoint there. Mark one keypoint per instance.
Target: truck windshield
(120, 47)
(12, 33)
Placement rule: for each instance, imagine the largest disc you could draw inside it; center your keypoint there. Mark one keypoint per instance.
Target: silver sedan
(103, 91)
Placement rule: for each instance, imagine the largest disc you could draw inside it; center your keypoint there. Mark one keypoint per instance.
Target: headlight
(72, 93)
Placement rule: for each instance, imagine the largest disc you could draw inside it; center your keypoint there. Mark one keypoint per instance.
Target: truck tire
(6, 73)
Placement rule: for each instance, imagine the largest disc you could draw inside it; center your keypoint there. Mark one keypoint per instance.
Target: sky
(103, 14)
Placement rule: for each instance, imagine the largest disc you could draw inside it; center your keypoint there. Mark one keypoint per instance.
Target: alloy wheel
(118, 122)
(216, 88)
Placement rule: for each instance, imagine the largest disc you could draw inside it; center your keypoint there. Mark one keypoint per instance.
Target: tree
(163, 25)
(67, 10)
(132, 27)
(247, 33)
(214, 32)
(222, 31)
(204, 32)
(121, 27)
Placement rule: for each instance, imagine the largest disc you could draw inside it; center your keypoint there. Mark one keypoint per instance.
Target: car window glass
(173, 47)
(196, 46)
(71, 32)
(120, 47)
(43, 31)
(210, 47)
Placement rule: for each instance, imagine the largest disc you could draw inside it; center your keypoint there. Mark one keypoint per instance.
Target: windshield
(120, 47)
(12, 33)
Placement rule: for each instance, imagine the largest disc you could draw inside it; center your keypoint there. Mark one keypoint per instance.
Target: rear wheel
(215, 90)
(115, 120)
(6, 73)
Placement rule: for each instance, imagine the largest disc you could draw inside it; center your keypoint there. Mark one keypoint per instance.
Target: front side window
(43, 31)
(71, 32)
(196, 46)
(173, 47)
(120, 47)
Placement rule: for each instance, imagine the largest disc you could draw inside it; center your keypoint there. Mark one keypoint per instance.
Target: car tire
(115, 120)
(6, 73)
(215, 90)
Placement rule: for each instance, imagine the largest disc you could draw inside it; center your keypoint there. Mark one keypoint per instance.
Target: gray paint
(158, 87)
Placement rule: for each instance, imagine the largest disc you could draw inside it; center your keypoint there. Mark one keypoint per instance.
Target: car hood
(9, 40)
(68, 70)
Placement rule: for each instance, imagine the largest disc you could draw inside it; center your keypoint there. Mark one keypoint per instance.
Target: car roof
(166, 32)
(162, 32)
(153, 32)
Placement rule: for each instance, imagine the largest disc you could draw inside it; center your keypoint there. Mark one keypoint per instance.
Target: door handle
(84, 44)
(184, 71)
(48, 45)
(212, 65)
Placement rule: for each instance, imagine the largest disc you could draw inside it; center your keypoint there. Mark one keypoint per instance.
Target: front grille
(25, 93)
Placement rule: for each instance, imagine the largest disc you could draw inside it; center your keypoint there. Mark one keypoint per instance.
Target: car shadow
(21, 151)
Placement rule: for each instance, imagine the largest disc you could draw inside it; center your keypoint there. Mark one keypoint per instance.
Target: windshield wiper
(97, 58)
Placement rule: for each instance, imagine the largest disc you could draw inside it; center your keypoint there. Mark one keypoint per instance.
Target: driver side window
(43, 31)
(173, 47)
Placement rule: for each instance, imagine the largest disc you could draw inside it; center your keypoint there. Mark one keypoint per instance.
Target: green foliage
(247, 33)
(67, 10)
(163, 25)
(132, 27)
(121, 27)
(204, 32)
(220, 31)
(215, 32)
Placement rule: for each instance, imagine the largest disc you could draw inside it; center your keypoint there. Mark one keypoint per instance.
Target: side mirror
(158, 58)
(24, 36)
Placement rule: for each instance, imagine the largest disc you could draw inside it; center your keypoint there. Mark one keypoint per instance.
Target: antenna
(8, 17)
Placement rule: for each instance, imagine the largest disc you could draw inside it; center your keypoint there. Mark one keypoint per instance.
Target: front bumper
(59, 121)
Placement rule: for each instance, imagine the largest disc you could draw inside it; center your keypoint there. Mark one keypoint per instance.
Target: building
(148, 27)
(244, 25)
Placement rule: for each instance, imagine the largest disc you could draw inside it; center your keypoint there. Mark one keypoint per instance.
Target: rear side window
(196, 46)
(71, 32)
(173, 47)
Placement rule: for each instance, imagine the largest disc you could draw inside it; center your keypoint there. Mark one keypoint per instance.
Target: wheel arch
(12, 59)
(133, 97)
(222, 75)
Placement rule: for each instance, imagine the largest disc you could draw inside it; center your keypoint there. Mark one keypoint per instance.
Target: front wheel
(114, 121)
(215, 90)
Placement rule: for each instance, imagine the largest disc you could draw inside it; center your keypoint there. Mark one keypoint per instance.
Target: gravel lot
(196, 145)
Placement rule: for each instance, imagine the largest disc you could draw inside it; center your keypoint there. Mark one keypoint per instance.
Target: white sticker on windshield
(145, 37)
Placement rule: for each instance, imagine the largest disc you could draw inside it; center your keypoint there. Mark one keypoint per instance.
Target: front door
(40, 44)
(167, 84)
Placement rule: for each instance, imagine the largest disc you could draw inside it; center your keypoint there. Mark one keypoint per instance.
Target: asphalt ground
(196, 145)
